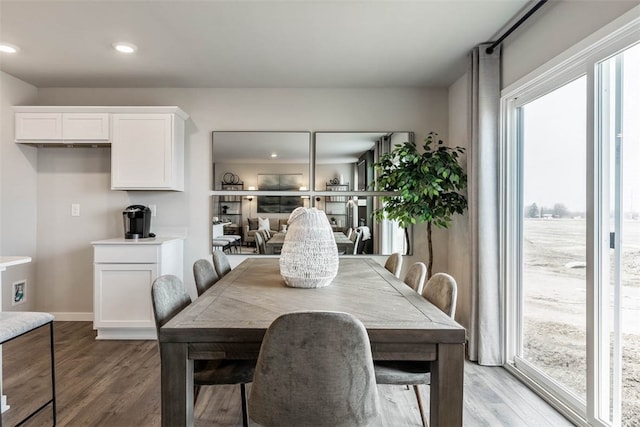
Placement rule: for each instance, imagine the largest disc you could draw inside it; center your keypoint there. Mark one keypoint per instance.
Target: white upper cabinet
(147, 151)
(147, 143)
(61, 127)
(85, 126)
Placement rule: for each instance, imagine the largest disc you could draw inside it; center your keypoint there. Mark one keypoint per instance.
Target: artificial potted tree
(428, 186)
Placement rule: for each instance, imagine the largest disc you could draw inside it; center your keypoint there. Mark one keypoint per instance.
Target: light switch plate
(75, 209)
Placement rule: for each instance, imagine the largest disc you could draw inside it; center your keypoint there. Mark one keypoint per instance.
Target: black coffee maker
(137, 222)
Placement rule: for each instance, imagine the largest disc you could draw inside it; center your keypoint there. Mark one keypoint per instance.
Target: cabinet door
(122, 295)
(85, 126)
(145, 153)
(38, 126)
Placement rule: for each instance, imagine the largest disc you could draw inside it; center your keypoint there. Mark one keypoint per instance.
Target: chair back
(442, 291)
(260, 243)
(168, 298)
(315, 368)
(415, 276)
(221, 263)
(394, 264)
(204, 274)
(355, 237)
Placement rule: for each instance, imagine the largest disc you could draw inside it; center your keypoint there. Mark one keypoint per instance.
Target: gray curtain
(485, 331)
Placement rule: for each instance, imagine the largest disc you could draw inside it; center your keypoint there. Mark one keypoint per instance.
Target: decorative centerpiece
(309, 257)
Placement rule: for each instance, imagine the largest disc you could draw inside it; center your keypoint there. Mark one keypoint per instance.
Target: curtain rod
(526, 16)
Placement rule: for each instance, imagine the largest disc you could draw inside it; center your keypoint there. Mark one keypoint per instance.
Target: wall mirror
(344, 162)
(260, 175)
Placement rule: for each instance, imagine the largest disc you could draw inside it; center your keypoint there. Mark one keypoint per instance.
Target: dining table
(274, 244)
(231, 318)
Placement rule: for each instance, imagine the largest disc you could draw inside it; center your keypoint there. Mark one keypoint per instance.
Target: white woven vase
(309, 257)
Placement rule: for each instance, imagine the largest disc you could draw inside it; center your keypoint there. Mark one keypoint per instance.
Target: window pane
(553, 336)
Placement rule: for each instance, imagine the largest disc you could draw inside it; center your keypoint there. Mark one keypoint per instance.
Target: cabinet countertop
(145, 241)
(8, 261)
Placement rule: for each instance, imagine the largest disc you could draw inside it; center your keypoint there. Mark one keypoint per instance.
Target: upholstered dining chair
(221, 263)
(442, 291)
(415, 276)
(306, 377)
(169, 298)
(204, 274)
(355, 237)
(394, 264)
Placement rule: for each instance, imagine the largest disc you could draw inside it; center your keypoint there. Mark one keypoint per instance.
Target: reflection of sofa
(253, 224)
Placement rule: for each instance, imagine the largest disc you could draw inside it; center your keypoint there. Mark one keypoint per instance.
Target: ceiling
(257, 44)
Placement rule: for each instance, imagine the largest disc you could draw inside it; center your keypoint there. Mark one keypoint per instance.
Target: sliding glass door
(552, 323)
(618, 353)
(572, 236)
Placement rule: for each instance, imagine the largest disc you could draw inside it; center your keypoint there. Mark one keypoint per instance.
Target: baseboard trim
(73, 317)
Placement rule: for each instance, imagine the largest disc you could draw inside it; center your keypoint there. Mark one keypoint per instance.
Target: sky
(555, 142)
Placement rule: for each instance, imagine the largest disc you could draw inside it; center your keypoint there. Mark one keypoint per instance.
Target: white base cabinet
(124, 271)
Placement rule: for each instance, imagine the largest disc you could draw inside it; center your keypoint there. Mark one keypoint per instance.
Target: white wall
(554, 28)
(18, 191)
(81, 175)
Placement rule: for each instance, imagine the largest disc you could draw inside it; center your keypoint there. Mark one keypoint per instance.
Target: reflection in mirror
(344, 162)
(255, 161)
(250, 154)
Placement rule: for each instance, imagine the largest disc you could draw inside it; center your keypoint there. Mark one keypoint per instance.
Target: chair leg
(245, 412)
(53, 376)
(419, 399)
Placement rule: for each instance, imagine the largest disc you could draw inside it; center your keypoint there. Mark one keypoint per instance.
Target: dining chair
(260, 243)
(17, 324)
(204, 274)
(221, 263)
(415, 276)
(442, 291)
(355, 237)
(169, 298)
(394, 264)
(306, 377)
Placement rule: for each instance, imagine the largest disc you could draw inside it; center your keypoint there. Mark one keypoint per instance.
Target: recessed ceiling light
(124, 47)
(274, 155)
(8, 48)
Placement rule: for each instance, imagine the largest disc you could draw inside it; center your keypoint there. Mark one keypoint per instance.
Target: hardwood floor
(117, 383)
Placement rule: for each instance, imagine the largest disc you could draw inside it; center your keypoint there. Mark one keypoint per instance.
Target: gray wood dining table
(230, 319)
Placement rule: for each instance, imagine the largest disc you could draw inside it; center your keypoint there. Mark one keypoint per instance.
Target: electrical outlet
(19, 292)
(153, 209)
(75, 209)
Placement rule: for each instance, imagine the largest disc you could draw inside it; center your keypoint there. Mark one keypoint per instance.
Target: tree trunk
(430, 243)
(406, 239)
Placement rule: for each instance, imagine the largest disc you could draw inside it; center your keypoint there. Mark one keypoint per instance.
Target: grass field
(555, 305)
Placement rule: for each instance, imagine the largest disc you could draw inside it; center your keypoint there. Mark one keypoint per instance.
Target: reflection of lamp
(250, 198)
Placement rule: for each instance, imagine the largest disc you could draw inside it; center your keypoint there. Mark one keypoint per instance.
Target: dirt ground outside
(555, 306)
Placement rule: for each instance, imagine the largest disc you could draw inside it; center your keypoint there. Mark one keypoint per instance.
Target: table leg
(177, 385)
(447, 384)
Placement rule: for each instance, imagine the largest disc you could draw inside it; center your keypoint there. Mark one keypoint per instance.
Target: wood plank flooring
(117, 384)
